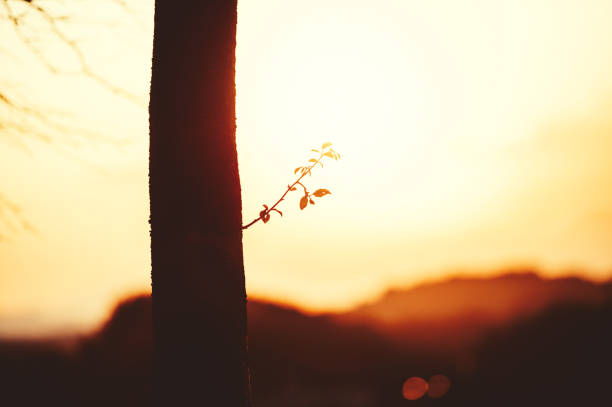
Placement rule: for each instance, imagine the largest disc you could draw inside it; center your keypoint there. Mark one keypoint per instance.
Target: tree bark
(199, 298)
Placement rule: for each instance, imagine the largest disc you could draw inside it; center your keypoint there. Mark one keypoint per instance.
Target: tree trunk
(199, 298)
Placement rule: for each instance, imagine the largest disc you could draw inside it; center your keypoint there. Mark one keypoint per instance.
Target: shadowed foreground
(510, 340)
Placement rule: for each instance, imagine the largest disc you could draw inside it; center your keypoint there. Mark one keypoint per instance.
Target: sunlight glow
(474, 135)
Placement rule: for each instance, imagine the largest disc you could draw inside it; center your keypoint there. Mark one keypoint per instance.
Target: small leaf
(321, 192)
(316, 151)
(279, 212)
(293, 189)
(297, 169)
(304, 202)
(311, 201)
(329, 154)
(325, 145)
(312, 160)
(321, 164)
(266, 218)
(265, 206)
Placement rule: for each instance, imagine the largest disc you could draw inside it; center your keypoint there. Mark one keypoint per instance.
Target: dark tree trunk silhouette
(199, 298)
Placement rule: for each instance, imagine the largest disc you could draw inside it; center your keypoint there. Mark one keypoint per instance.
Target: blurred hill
(457, 311)
(515, 339)
(498, 298)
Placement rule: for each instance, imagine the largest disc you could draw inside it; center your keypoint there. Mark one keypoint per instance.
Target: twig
(264, 215)
(85, 67)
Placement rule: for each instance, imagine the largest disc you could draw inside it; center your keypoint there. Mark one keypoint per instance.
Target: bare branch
(16, 20)
(85, 68)
(11, 218)
(32, 122)
(46, 126)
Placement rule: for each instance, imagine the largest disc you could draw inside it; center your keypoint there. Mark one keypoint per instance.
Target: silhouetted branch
(326, 151)
(16, 20)
(34, 113)
(30, 122)
(85, 68)
(11, 217)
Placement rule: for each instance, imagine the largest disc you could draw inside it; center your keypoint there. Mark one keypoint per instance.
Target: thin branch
(42, 119)
(85, 68)
(11, 217)
(45, 124)
(72, 44)
(265, 214)
(25, 39)
(32, 112)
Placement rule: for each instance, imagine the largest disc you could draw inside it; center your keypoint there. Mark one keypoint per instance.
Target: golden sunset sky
(475, 135)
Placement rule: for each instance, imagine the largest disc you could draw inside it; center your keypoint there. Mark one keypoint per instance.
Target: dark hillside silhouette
(199, 298)
(457, 311)
(557, 355)
(508, 296)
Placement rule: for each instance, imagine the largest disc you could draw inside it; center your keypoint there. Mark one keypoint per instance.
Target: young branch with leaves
(308, 197)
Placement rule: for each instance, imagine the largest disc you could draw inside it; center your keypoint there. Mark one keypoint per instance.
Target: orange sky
(474, 135)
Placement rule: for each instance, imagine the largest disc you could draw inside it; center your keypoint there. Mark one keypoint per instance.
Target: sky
(475, 136)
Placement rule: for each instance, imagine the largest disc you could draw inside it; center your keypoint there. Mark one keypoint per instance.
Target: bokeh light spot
(414, 388)
(439, 385)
